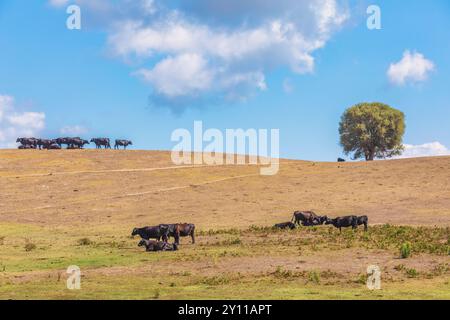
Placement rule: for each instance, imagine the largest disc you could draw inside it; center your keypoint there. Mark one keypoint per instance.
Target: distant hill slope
(131, 188)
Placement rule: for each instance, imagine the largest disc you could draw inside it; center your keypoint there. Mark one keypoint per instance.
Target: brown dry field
(54, 198)
(83, 184)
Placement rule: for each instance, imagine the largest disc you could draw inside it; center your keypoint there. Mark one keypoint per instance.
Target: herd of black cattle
(71, 143)
(310, 219)
(165, 231)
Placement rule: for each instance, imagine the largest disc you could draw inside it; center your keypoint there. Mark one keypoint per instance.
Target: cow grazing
(155, 232)
(181, 230)
(316, 221)
(306, 218)
(323, 219)
(344, 222)
(99, 142)
(285, 225)
(122, 143)
(151, 245)
(363, 220)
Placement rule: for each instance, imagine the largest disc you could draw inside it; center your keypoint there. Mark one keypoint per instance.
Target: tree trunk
(370, 155)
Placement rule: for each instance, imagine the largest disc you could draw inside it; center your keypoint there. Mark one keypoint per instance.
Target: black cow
(26, 146)
(99, 142)
(155, 232)
(344, 222)
(151, 245)
(363, 220)
(340, 160)
(28, 141)
(77, 143)
(306, 218)
(62, 141)
(44, 143)
(316, 221)
(181, 230)
(53, 146)
(123, 143)
(285, 225)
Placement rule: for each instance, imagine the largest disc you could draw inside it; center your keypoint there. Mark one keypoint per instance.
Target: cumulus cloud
(180, 75)
(412, 68)
(225, 48)
(192, 49)
(73, 130)
(425, 150)
(14, 123)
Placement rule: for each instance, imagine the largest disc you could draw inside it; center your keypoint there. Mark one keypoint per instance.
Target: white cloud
(184, 74)
(14, 124)
(191, 75)
(412, 68)
(200, 48)
(275, 43)
(73, 130)
(148, 6)
(425, 150)
(233, 43)
(328, 15)
(33, 121)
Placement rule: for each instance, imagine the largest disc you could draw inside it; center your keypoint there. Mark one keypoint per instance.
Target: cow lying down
(285, 225)
(152, 245)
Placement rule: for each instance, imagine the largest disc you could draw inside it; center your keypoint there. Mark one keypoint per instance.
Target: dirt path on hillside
(34, 175)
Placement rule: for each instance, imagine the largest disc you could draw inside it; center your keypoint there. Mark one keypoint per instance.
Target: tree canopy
(372, 130)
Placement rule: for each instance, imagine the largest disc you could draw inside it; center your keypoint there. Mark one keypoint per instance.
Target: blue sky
(141, 69)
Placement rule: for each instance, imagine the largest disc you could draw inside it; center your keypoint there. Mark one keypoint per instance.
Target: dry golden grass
(81, 184)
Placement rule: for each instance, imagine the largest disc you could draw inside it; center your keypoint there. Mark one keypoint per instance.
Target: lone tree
(372, 130)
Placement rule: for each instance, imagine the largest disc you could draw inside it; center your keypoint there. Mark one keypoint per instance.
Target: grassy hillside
(79, 207)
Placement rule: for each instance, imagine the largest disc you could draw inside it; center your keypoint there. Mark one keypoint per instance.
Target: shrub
(441, 269)
(362, 279)
(282, 273)
(405, 250)
(216, 280)
(411, 273)
(313, 276)
(399, 267)
(231, 242)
